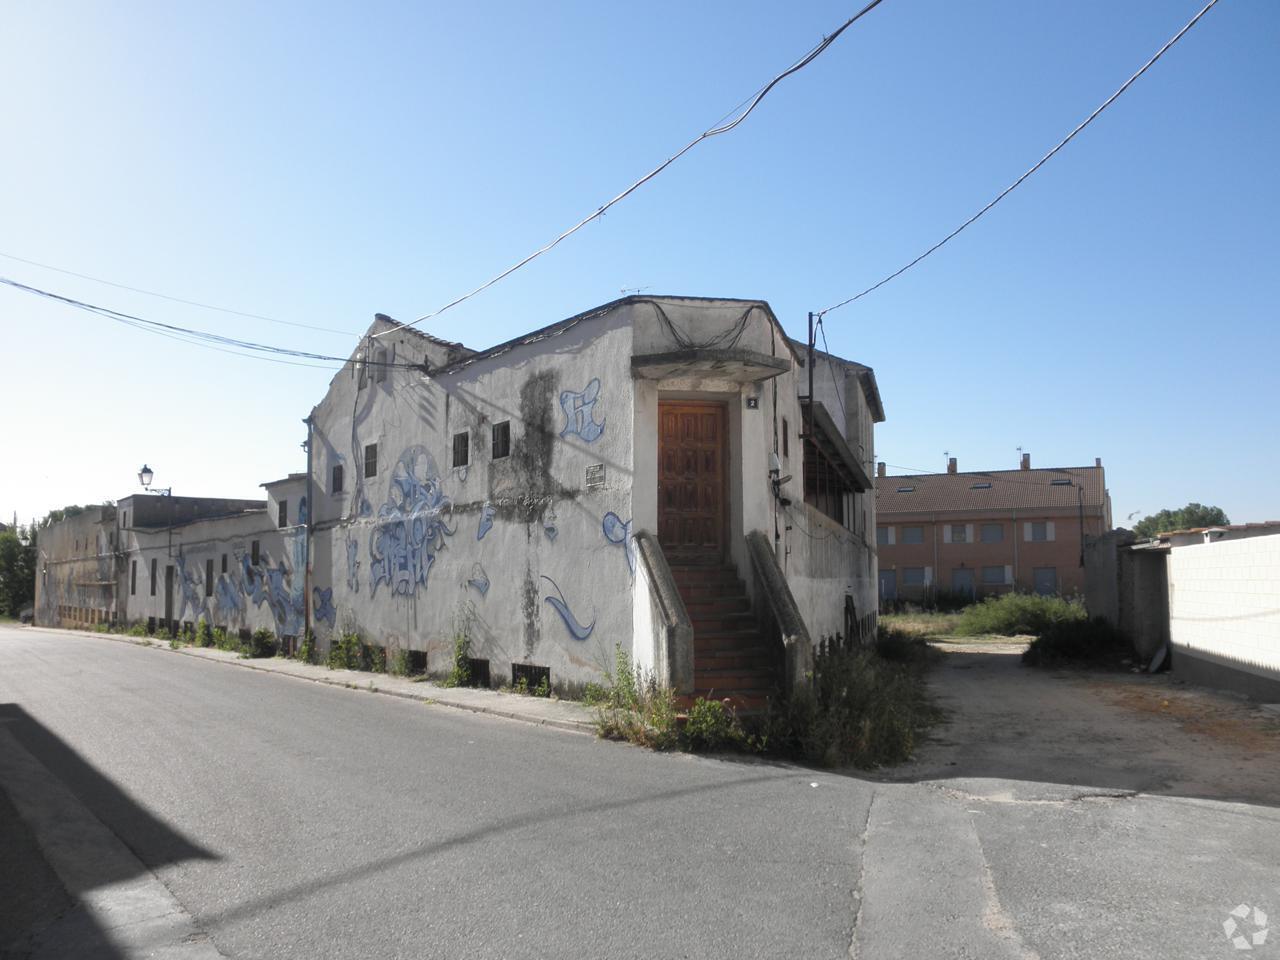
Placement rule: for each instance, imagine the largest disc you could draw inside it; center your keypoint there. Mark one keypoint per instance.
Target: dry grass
(926, 626)
(1203, 713)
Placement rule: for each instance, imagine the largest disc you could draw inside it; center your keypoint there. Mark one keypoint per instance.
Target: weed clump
(1015, 614)
(306, 652)
(631, 705)
(860, 707)
(262, 643)
(204, 633)
(1080, 642)
(346, 653)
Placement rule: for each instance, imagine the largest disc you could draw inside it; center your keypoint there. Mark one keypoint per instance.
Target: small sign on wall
(595, 476)
(753, 403)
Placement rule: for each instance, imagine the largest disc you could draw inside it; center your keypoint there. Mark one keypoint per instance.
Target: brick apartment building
(987, 532)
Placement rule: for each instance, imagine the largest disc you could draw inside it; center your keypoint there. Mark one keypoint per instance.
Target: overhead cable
(165, 296)
(714, 131)
(205, 338)
(1039, 163)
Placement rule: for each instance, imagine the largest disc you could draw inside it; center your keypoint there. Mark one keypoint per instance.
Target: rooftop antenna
(946, 458)
(636, 290)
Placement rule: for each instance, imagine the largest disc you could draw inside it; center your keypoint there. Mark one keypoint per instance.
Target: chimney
(1097, 461)
(880, 469)
(951, 465)
(1026, 461)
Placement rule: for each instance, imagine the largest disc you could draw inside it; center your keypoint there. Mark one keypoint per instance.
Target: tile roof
(1008, 490)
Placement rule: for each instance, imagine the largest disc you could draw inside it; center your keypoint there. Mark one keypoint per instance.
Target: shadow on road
(50, 864)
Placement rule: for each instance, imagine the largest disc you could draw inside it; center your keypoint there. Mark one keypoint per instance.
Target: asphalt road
(291, 819)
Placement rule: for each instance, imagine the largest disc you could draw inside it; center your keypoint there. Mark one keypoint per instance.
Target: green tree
(17, 573)
(1187, 518)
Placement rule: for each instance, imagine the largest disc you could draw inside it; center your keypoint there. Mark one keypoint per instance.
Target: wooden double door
(692, 491)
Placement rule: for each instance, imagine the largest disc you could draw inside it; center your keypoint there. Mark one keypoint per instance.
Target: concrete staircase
(731, 659)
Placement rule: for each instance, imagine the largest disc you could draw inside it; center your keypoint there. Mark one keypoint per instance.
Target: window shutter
(1008, 573)
(946, 533)
(968, 533)
(928, 576)
(1048, 530)
(891, 539)
(1026, 531)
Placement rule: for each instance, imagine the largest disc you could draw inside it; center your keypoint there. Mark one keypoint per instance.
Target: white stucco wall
(518, 549)
(268, 595)
(1224, 602)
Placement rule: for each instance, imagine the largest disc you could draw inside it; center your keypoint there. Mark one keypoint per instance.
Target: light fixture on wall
(144, 478)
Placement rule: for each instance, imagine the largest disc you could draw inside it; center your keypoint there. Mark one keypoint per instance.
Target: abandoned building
(656, 473)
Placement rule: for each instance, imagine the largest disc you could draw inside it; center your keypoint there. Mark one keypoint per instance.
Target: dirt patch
(1201, 712)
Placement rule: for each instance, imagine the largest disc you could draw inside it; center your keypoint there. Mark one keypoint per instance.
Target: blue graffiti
(486, 520)
(325, 610)
(303, 510)
(227, 597)
(576, 629)
(353, 566)
(411, 526)
(190, 591)
(271, 585)
(479, 580)
(579, 413)
(619, 532)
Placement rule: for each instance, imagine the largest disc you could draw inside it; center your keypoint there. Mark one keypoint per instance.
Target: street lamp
(144, 478)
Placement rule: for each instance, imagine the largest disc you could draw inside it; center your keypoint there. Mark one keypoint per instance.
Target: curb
(438, 696)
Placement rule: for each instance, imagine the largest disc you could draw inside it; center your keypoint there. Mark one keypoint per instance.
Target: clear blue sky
(319, 163)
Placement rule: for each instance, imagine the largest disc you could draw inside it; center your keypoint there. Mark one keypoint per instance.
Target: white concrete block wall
(1224, 601)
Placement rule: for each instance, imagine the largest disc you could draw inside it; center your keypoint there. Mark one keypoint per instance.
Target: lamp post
(144, 478)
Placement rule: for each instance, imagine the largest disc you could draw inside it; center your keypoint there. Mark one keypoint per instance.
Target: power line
(1040, 163)
(714, 131)
(832, 364)
(204, 338)
(165, 296)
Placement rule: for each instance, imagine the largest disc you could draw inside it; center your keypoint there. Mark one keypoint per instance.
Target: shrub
(204, 634)
(859, 708)
(899, 646)
(633, 706)
(1018, 613)
(460, 674)
(306, 652)
(262, 643)
(1076, 642)
(137, 630)
(224, 639)
(711, 725)
(373, 658)
(346, 652)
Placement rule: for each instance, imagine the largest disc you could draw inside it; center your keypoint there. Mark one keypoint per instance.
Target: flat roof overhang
(740, 366)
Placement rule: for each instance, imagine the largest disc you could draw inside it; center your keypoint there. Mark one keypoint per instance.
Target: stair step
(743, 702)
(733, 679)
(703, 574)
(714, 623)
(702, 606)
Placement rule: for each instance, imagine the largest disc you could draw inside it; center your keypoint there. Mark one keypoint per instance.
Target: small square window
(255, 553)
(882, 536)
(461, 449)
(1039, 531)
(336, 485)
(224, 563)
(501, 439)
(370, 460)
(906, 489)
(283, 518)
